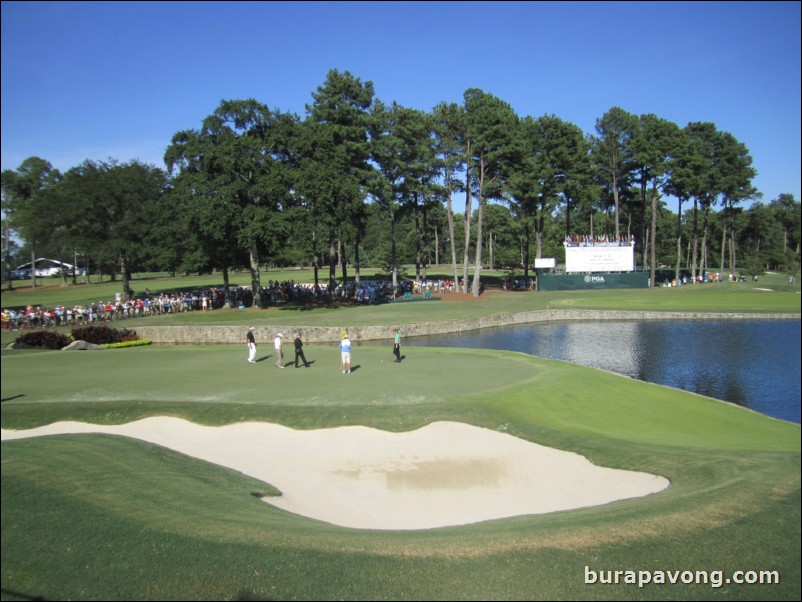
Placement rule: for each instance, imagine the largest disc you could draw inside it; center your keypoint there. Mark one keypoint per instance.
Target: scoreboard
(600, 257)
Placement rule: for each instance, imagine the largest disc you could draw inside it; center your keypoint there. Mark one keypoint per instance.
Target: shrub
(135, 343)
(102, 335)
(42, 339)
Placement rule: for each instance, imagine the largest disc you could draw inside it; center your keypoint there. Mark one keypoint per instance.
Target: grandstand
(594, 263)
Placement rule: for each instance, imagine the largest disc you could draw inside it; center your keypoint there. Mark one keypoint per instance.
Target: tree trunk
(425, 234)
(478, 264)
(332, 262)
(703, 269)
(733, 263)
(723, 243)
(343, 261)
(357, 275)
(647, 251)
(9, 279)
(393, 259)
(226, 286)
(539, 225)
(653, 236)
(688, 254)
(705, 226)
(615, 198)
(527, 239)
(316, 259)
(256, 278)
(418, 239)
(679, 241)
(644, 232)
(477, 268)
(694, 256)
(467, 224)
(125, 272)
(436, 247)
(451, 236)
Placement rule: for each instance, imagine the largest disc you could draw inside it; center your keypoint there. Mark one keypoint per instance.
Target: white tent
(45, 268)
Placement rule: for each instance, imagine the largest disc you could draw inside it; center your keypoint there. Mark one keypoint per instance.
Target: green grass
(101, 517)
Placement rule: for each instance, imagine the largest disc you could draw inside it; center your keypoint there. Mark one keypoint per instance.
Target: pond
(753, 363)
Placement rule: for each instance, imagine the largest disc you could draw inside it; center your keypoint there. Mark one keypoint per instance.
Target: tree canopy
(253, 186)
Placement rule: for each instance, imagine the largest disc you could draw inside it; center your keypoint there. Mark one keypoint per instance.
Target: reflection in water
(754, 363)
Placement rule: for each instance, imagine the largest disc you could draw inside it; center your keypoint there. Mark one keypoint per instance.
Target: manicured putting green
(221, 374)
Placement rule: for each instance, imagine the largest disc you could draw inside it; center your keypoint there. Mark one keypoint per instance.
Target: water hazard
(754, 363)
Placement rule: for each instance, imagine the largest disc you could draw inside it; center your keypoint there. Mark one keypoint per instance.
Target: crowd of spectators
(146, 304)
(43, 317)
(703, 278)
(105, 311)
(601, 240)
(519, 284)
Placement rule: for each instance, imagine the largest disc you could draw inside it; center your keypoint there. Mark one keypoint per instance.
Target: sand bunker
(443, 474)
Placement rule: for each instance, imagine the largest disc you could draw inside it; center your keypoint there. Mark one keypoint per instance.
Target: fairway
(733, 502)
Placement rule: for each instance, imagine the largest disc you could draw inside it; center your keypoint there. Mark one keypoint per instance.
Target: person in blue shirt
(345, 354)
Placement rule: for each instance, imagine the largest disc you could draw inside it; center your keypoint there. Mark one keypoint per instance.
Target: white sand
(444, 474)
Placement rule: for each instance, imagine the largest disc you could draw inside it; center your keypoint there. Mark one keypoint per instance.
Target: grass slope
(101, 517)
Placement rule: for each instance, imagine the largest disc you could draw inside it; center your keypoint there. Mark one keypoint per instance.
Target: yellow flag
(342, 333)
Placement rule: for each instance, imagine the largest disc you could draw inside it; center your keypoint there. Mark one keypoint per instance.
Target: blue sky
(100, 80)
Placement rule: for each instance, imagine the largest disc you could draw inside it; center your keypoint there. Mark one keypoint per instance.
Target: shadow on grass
(195, 288)
(11, 594)
(311, 304)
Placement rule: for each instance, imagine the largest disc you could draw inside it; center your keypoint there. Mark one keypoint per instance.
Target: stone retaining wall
(229, 335)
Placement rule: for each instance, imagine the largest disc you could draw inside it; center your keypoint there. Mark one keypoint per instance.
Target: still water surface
(754, 363)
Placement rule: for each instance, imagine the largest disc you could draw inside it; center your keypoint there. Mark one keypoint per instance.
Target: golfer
(278, 344)
(299, 351)
(345, 354)
(251, 340)
(396, 346)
